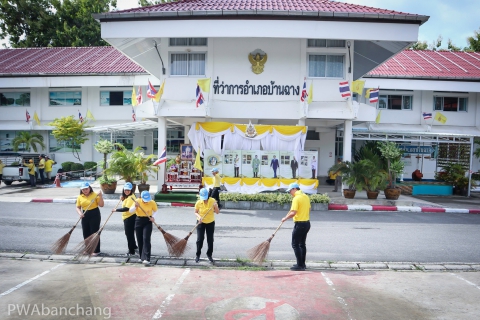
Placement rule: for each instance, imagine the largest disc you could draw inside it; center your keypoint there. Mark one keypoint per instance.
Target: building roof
(430, 64)
(298, 8)
(65, 61)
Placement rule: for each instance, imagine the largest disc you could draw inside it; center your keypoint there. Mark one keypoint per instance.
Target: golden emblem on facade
(250, 132)
(258, 61)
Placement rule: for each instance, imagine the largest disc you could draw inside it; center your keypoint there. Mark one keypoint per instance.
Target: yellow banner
(440, 118)
(134, 97)
(377, 120)
(357, 86)
(310, 93)
(204, 84)
(159, 93)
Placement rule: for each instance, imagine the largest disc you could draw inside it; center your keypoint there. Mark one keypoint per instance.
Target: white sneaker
(146, 262)
(140, 261)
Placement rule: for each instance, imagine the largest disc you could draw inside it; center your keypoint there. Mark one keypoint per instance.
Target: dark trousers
(237, 171)
(294, 171)
(215, 194)
(338, 183)
(209, 229)
(299, 237)
(42, 177)
(314, 175)
(91, 224)
(255, 174)
(143, 230)
(129, 226)
(32, 180)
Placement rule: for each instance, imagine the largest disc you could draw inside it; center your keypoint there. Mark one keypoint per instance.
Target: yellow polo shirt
(217, 181)
(31, 167)
(41, 164)
(203, 208)
(1, 167)
(48, 165)
(150, 207)
(84, 201)
(301, 204)
(128, 203)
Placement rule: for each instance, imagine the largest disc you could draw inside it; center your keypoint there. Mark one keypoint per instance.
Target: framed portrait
(186, 151)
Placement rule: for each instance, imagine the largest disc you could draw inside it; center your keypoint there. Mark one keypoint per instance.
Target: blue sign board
(417, 149)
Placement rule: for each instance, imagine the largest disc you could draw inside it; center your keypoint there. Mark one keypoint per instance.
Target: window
(450, 104)
(115, 98)
(187, 64)
(395, 102)
(65, 98)
(179, 42)
(175, 137)
(323, 43)
(325, 66)
(14, 99)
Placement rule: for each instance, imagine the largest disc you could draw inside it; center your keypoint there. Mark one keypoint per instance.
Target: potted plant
(107, 184)
(144, 167)
(455, 174)
(392, 155)
(122, 163)
(370, 178)
(350, 175)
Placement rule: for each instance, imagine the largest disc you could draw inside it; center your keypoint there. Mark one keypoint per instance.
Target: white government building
(258, 56)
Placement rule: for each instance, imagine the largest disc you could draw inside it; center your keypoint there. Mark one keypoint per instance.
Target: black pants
(42, 177)
(209, 229)
(294, 171)
(91, 224)
(215, 194)
(314, 176)
(143, 230)
(299, 237)
(255, 174)
(32, 180)
(237, 172)
(129, 226)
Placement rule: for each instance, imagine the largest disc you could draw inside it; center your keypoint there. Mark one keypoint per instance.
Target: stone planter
(143, 187)
(319, 207)
(349, 194)
(246, 205)
(392, 193)
(242, 205)
(373, 195)
(109, 188)
(263, 206)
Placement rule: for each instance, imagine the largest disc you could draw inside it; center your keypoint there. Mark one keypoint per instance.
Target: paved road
(335, 236)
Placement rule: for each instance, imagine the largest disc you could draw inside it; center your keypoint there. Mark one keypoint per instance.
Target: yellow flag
(198, 162)
(36, 118)
(90, 115)
(357, 86)
(134, 97)
(367, 93)
(377, 120)
(159, 93)
(440, 118)
(310, 93)
(204, 84)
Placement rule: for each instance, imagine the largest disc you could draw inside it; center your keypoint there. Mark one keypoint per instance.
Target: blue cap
(292, 186)
(214, 170)
(203, 194)
(146, 196)
(128, 186)
(85, 185)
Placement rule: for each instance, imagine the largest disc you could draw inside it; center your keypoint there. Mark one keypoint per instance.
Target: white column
(162, 142)
(185, 134)
(347, 140)
(301, 122)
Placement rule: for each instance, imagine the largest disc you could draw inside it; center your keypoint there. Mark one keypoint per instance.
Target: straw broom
(59, 246)
(170, 239)
(258, 253)
(86, 248)
(180, 247)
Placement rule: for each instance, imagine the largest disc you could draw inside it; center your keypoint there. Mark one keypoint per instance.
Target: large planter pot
(392, 193)
(108, 188)
(349, 194)
(143, 187)
(372, 195)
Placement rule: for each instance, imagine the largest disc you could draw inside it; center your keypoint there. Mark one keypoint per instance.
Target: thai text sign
(417, 149)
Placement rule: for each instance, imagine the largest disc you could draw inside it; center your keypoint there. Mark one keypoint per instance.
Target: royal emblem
(258, 61)
(250, 132)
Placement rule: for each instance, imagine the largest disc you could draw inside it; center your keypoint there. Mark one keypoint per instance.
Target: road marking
(30, 280)
(169, 298)
(470, 283)
(340, 299)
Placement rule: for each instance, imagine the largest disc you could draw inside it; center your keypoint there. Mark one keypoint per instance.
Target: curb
(353, 207)
(110, 202)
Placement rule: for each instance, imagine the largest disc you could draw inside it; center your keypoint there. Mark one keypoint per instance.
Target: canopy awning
(129, 126)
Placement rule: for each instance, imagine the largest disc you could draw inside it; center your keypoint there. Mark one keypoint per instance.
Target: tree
(474, 41)
(31, 140)
(146, 3)
(71, 132)
(420, 45)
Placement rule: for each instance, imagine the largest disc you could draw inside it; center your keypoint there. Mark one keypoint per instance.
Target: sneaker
(96, 254)
(197, 259)
(210, 259)
(297, 268)
(140, 261)
(146, 262)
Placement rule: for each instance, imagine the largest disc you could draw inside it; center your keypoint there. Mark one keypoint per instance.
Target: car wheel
(8, 183)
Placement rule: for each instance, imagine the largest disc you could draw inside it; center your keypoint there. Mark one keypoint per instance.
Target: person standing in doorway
(31, 172)
(294, 166)
(274, 165)
(41, 168)
(338, 178)
(300, 212)
(255, 166)
(314, 168)
(204, 211)
(236, 166)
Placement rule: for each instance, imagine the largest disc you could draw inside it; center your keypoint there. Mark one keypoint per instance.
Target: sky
(452, 19)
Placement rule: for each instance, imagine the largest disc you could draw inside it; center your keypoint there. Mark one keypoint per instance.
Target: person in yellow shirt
(88, 209)
(215, 192)
(145, 209)
(41, 168)
(2, 165)
(48, 167)
(128, 198)
(31, 172)
(300, 212)
(204, 209)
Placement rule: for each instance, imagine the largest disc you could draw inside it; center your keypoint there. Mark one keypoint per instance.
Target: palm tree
(31, 140)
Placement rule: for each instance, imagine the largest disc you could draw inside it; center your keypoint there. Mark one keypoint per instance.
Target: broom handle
(158, 227)
(198, 223)
(273, 235)
(111, 214)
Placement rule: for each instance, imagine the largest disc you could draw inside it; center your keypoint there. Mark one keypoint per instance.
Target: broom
(180, 247)
(258, 253)
(88, 246)
(61, 244)
(170, 239)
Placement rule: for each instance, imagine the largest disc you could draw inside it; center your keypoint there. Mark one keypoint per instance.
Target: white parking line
(470, 283)
(169, 298)
(30, 280)
(340, 299)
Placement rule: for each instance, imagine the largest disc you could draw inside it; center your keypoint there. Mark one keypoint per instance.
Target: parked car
(16, 171)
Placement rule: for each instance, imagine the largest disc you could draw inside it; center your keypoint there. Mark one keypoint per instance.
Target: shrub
(270, 197)
(89, 165)
(67, 166)
(77, 167)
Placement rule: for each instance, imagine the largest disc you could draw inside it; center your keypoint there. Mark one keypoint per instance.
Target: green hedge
(280, 198)
(77, 167)
(67, 166)
(89, 165)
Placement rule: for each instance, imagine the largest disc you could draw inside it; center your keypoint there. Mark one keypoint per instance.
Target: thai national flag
(374, 95)
(134, 117)
(151, 91)
(139, 96)
(427, 116)
(304, 91)
(80, 118)
(344, 89)
(162, 158)
(27, 115)
(200, 99)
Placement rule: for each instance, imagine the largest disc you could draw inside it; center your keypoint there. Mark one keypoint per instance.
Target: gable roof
(65, 61)
(298, 9)
(430, 64)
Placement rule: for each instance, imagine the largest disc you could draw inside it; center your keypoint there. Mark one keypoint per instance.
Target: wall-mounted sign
(417, 149)
(251, 89)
